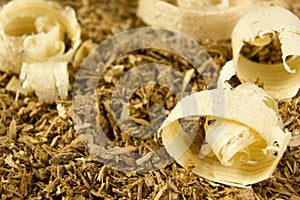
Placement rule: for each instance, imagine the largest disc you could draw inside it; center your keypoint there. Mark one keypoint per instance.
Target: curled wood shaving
(198, 19)
(258, 28)
(38, 43)
(244, 138)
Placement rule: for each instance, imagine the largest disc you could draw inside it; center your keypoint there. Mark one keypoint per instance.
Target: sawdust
(42, 156)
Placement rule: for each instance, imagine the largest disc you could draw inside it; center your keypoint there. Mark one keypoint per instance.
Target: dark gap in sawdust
(173, 2)
(268, 54)
(43, 158)
(4, 79)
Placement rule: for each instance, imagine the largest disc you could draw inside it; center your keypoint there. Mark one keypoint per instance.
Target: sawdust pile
(42, 156)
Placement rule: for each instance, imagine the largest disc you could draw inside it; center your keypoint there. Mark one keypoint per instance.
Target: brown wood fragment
(86, 183)
(149, 180)
(12, 133)
(51, 186)
(25, 182)
(140, 191)
(161, 192)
